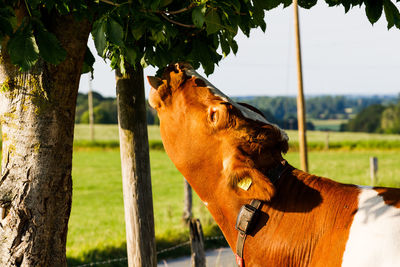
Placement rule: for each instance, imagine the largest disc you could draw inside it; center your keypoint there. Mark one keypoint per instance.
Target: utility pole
(301, 117)
(91, 117)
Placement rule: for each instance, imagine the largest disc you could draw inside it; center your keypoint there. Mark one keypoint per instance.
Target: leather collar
(248, 214)
(278, 171)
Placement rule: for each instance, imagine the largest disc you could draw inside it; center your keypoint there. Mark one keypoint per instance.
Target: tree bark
(135, 163)
(37, 110)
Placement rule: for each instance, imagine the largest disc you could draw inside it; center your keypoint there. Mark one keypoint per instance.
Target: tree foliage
(368, 120)
(390, 119)
(318, 107)
(155, 32)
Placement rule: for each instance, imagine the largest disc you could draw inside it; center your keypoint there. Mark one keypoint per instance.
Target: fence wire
(158, 252)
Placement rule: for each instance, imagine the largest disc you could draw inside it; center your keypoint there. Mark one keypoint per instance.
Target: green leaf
(122, 64)
(198, 16)
(236, 4)
(307, 3)
(99, 37)
(5, 25)
(157, 34)
(49, 47)
(164, 3)
(373, 9)
(286, 3)
(22, 48)
(88, 61)
(114, 61)
(234, 46)
(115, 32)
(131, 55)
(392, 14)
(138, 31)
(213, 21)
(62, 8)
(143, 62)
(226, 49)
(268, 5)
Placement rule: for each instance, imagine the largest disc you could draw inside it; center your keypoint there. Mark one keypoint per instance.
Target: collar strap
(276, 173)
(245, 223)
(249, 213)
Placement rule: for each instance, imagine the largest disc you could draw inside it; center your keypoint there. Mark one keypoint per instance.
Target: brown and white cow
(226, 151)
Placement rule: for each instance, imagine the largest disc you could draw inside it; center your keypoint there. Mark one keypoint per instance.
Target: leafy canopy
(151, 32)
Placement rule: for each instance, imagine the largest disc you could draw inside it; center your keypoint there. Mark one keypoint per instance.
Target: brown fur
(305, 220)
(391, 196)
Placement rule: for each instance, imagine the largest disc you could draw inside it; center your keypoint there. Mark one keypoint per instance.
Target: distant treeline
(317, 107)
(282, 110)
(362, 111)
(376, 118)
(104, 110)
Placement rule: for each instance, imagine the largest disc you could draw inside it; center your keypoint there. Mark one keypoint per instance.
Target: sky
(341, 54)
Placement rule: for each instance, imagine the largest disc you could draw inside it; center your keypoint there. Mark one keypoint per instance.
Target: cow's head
(207, 135)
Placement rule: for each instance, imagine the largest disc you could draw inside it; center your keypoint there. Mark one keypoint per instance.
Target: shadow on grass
(106, 257)
(116, 256)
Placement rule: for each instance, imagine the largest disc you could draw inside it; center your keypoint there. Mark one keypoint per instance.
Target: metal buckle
(246, 219)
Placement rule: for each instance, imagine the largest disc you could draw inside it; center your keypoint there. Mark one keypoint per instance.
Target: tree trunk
(37, 111)
(135, 163)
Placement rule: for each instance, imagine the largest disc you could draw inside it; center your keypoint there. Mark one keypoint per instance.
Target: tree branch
(163, 13)
(110, 2)
(176, 22)
(192, 5)
(173, 12)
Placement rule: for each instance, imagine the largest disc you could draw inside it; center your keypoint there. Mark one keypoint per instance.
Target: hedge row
(293, 146)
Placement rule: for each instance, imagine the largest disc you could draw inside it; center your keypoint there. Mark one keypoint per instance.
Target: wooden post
(187, 209)
(301, 117)
(373, 167)
(135, 164)
(90, 103)
(327, 141)
(197, 243)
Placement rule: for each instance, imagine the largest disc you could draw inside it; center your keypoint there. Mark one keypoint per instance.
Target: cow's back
(374, 238)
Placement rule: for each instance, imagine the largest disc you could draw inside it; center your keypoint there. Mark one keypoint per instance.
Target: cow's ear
(247, 181)
(155, 82)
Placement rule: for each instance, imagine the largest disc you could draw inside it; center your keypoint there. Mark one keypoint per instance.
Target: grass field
(330, 125)
(96, 228)
(110, 133)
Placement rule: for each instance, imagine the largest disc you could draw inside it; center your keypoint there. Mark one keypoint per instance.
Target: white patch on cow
(247, 113)
(206, 203)
(374, 238)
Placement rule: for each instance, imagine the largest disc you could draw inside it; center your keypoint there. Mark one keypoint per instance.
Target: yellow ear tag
(245, 183)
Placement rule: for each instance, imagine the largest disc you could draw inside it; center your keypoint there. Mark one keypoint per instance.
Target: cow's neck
(224, 205)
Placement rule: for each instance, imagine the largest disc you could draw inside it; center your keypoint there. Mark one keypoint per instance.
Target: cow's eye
(213, 115)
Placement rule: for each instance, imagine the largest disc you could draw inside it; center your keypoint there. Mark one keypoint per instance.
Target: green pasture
(97, 230)
(108, 132)
(330, 125)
